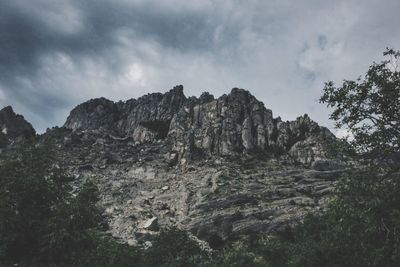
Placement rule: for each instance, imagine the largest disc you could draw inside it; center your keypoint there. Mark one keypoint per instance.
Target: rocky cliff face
(13, 127)
(220, 167)
(151, 113)
(233, 124)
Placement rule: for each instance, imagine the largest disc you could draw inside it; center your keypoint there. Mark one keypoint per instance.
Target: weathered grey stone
(13, 127)
(230, 125)
(327, 165)
(152, 112)
(151, 224)
(132, 242)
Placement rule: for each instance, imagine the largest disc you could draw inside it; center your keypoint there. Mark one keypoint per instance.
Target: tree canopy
(370, 107)
(41, 221)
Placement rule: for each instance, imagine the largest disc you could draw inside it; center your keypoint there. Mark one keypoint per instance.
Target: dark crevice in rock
(160, 127)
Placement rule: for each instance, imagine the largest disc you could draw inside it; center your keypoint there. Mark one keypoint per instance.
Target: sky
(57, 54)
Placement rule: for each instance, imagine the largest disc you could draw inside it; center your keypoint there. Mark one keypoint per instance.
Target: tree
(41, 222)
(370, 107)
(361, 225)
(174, 247)
(29, 188)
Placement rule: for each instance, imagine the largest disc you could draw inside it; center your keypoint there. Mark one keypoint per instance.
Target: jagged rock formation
(13, 127)
(149, 115)
(219, 168)
(229, 125)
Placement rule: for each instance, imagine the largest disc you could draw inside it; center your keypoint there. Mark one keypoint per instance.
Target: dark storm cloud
(25, 38)
(55, 54)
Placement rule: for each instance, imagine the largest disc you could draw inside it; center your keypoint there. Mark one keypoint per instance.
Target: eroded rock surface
(218, 198)
(220, 167)
(230, 125)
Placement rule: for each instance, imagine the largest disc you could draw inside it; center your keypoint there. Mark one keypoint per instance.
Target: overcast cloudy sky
(55, 54)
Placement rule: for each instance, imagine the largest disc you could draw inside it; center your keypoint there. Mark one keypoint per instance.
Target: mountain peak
(230, 125)
(178, 89)
(7, 110)
(13, 127)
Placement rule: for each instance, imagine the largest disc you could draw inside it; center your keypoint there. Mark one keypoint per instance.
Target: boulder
(151, 224)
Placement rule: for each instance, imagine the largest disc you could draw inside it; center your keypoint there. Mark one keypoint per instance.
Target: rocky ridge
(13, 127)
(219, 168)
(229, 125)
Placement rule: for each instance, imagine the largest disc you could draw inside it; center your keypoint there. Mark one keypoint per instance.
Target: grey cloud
(25, 39)
(55, 54)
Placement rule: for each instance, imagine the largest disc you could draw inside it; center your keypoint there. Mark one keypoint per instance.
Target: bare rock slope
(220, 167)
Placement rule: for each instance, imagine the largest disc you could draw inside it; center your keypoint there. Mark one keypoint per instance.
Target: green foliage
(369, 108)
(362, 223)
(174, 247)
(239, 255)
(104, 251)
(30, 188)
(71, 223)
(40, 220)
(364, 220)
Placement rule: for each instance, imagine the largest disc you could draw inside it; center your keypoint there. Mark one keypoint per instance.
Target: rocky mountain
(13, 127)
(229, 125)
(217, 167)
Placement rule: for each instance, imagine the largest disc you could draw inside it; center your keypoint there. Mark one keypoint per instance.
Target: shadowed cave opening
(158, 126)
